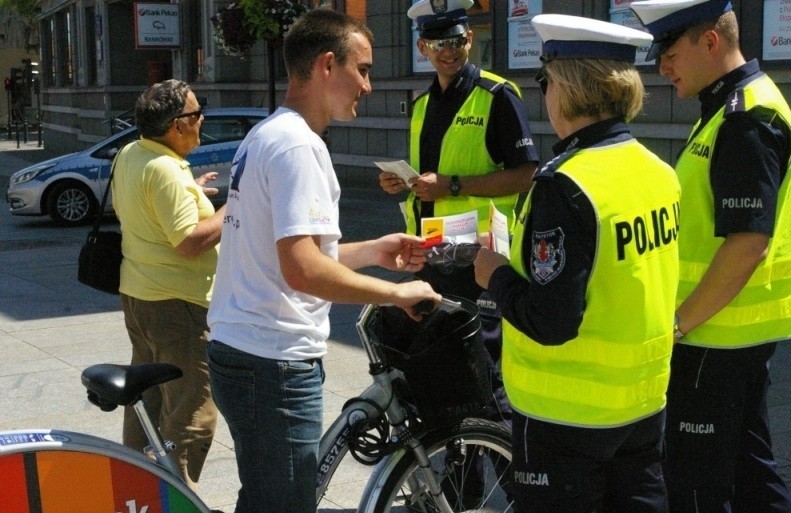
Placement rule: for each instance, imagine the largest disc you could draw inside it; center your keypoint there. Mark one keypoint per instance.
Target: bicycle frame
(379, 397)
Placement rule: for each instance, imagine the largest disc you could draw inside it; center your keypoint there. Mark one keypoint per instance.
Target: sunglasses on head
(436, 45)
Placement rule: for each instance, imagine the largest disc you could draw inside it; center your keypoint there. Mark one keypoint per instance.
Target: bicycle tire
(46, 470)
(389, 489)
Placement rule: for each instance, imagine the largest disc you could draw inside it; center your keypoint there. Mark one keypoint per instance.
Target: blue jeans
(274, 412)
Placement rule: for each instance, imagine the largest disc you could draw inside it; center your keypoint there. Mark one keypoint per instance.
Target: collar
(592, 135)
(714, 96)
(158, 147)
(466, 76)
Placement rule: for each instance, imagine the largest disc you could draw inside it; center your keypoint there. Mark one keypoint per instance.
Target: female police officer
(588, 297)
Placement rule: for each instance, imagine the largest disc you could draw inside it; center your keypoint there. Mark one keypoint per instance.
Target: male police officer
(469, 136)
(734, 295)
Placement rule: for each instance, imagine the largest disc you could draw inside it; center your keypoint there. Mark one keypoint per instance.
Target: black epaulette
(490, 85)
(735, 103)
(547, 171)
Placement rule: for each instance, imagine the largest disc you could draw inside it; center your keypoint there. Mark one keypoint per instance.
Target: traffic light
(9, 84)
(16, 84)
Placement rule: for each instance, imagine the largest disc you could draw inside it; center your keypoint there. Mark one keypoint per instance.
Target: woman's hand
(486, 263)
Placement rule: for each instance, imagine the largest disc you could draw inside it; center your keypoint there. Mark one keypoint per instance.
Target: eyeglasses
(542, 77)
(197, 114)
(436, 45)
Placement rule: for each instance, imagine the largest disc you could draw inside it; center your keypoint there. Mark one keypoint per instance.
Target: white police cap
(574, 37)
(668, 19)
(439, 19)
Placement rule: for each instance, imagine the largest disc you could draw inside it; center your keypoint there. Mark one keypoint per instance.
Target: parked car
(69, 188)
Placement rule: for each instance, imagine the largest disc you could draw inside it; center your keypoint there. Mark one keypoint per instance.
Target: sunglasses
(436, 45)
(197, 114)
(447, 256)
(542, 77)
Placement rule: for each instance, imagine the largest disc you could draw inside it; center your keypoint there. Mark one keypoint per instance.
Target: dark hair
(316, 32)
(158, 105)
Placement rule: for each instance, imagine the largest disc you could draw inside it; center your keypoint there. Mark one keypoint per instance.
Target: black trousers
(568, 469)
(719, 450)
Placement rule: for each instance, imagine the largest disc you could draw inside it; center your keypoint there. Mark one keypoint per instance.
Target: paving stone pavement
(51, 327)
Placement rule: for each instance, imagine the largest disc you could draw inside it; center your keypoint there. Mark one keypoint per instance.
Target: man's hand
(399, 252)
(431, 186)
(410, 293)
(205, 178)
(392, 183)
(486, 263)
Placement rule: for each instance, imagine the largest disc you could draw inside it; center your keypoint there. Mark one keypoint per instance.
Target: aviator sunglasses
(542, 77)
(436, 45)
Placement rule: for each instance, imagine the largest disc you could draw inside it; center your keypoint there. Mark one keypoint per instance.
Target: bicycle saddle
(110, 385)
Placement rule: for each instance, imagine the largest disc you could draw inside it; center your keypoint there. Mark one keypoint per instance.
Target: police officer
(587, 300)
(469, 136)
(734, 296)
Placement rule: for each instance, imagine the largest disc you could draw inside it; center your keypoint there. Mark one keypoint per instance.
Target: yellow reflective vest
(617, 369)
(463, 152)
(761, 312)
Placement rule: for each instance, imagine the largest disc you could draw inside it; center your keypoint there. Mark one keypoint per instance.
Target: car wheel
(71, 204)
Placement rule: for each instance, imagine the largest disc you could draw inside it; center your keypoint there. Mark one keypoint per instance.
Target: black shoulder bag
(100, 258)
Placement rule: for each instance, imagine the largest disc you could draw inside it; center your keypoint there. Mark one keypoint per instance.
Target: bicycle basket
(443, 359)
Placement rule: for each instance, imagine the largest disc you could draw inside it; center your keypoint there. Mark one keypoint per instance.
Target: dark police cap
(667, 20)
(440, 19)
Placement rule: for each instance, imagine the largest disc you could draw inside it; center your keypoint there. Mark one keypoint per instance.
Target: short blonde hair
(596, 88)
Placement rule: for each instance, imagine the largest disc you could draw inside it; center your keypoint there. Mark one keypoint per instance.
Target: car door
(220, 137)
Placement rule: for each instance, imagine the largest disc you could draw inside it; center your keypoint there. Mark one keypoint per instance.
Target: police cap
(574, 37)
(440, 19)
(667, 20)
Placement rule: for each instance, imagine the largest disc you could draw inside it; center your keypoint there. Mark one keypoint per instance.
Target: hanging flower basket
(238, 26)
(231, 33)
(270, 19)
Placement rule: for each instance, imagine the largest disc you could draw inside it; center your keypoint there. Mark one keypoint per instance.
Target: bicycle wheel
(53, 471)
(471, 462)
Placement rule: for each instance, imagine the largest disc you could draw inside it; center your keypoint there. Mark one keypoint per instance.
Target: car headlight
(27, 174)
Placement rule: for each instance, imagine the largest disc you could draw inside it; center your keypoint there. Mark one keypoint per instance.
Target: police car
(69, 188)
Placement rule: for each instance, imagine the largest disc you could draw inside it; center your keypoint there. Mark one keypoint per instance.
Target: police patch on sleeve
(548, 256)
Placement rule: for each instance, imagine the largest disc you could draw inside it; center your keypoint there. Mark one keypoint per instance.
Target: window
(58, 50)
(224, 129)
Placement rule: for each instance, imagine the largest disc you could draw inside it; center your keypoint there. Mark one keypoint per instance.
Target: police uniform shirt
(749, 159)
(551, 313)
(507, 125)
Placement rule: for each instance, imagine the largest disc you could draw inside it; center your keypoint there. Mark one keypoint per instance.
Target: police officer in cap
(587, 299)
(734, 296)
(469, 136)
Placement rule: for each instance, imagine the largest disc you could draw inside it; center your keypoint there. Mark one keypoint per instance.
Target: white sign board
(777, 30)
(621, 14)
(524, 43)
(157, 26)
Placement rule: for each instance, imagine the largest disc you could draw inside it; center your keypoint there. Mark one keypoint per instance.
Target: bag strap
(100, 214)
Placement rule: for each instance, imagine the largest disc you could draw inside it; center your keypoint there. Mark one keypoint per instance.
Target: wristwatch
(455, 185)
(677, 334)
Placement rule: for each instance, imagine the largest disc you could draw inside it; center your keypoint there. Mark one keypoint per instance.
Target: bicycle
(418, 466)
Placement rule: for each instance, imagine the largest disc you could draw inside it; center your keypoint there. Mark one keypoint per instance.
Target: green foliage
(270, 19)
(26, 9)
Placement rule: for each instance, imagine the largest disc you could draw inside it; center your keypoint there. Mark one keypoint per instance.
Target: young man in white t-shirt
(281, 266)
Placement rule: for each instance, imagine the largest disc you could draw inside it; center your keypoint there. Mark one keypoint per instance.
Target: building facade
(95, 61)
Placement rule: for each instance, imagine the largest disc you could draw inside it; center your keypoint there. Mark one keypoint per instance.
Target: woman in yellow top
(587, 299)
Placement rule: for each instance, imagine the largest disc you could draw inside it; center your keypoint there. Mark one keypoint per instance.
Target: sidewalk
(51, 327)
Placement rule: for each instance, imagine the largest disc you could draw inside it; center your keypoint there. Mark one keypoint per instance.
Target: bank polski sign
(157, 26)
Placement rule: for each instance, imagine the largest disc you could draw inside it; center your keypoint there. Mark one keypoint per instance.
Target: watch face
(455, 185)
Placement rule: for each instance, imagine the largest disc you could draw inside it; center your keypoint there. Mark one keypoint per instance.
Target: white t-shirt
(282, 184)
